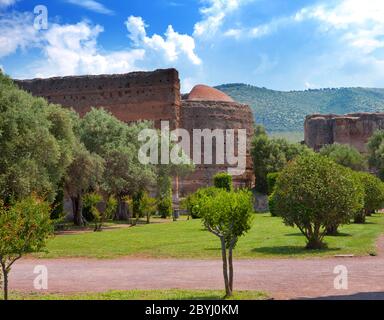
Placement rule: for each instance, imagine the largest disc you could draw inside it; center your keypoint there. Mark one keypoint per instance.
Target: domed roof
(206, 93)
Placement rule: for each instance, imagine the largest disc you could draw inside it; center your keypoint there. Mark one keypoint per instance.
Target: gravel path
(281, 278)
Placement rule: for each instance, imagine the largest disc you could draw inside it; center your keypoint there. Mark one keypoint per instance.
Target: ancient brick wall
(134, 96)
(153, 96)
(352, 129)
(216, 115)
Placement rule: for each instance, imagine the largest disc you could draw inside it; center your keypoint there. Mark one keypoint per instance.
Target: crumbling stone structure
(154, 96)
(352, 129)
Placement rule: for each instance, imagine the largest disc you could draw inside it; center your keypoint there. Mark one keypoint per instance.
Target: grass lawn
(269, 237)
(172, 294)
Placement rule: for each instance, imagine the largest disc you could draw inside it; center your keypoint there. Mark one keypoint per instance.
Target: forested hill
(286, 111)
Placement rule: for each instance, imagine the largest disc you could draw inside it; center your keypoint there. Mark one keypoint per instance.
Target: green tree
(191, 203)
(148, 206)
(36, 141)
(271, 181)
(92, 200)
(24, 228)
(227, 215)
(117, 143)
(345, 155)
(374, 195)
(271, 155)
(223, 181)
(84, 174)
(376, 153)
(313, 192)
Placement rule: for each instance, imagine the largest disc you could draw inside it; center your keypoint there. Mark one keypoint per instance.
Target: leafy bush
(272, 205)
(223, 181)
(374, 195)
(272, 155)
(376, 152)
(164, 207)
(345, 155)
(192, 201)
(313, 192)
(271, 181)
(91, 200)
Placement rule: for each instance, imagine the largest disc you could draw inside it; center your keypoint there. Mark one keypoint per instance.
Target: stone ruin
(352, 129)
(154, 96)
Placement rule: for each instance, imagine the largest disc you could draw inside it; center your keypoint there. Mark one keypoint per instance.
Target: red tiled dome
(205, 93)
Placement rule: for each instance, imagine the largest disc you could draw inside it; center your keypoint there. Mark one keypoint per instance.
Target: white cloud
(16, 32)
(7, 3)
(360, 22)
(214, 14)
(91, 5)
(73, 50)
(172, 46)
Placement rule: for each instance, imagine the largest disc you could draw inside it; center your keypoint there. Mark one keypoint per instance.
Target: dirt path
(281, 278)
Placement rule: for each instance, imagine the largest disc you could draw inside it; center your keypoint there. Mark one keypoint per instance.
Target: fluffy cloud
(73, 49)
(171, 46)
(360, 22)
(90, 5)
(6, 3)
(16, 32)
(214, 14)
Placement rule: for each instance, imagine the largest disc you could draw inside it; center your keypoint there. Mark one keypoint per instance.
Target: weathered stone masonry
(153, 96)
(351, 129)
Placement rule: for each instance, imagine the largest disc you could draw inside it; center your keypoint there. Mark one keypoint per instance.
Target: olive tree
(313, 192)
(24, 228)
(228, 216)
(117, 143)
(36, 144)
(84, 173)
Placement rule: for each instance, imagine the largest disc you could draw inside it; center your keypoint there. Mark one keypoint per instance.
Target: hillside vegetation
(285, 111)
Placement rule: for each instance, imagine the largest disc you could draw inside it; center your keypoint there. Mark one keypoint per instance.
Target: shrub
(272, 205)
(91, 200)
(374, 195)
(192, 201)
(345, 155)
(271, 181)
(313, 192)
(164, 207)
(223, 181)
(272, 155)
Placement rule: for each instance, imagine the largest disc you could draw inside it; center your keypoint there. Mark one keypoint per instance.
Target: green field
(145, 295)
(269, 237)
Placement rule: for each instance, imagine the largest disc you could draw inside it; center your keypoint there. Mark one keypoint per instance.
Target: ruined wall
(352, 129)
(152, 96)
(134, 96)
(216, 115)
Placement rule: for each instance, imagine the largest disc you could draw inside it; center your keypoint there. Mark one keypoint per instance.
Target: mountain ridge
(283, 111)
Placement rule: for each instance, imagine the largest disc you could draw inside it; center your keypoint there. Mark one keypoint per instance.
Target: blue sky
(278, 44)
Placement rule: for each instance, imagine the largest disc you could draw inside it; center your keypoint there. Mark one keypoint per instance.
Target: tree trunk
(230, 262)
(332, 230)
(315, 244)
(5, 281)
(122, 211)
(77, 206)
(228, 291)
(148, 218)
(360, 217)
